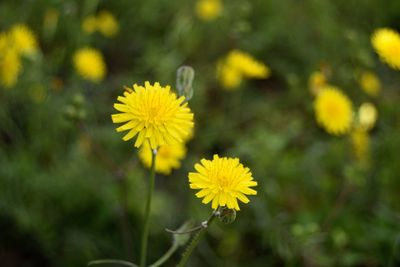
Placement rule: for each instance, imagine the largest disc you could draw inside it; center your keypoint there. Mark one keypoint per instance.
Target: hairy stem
(196, 239)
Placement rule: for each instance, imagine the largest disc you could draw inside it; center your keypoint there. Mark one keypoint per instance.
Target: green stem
(111, 261)
(196, 239)
(145, 233)
(166, 256)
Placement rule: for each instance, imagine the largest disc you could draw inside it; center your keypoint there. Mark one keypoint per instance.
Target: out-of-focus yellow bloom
(367, 116)
(23, 39)
(387, 44)
(104, 22)
(238, 65)
(361, 144)
(370, 83)
(107, 24)
(89, 24)
(229, 77)
(248, 66)
(333, 111)
(89, 64)
(222, 181)
(155, 114)
(208, 10)
(10, 67)
(316, 82)
(168, 157)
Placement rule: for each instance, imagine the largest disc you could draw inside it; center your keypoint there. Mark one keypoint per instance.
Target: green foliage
(72, 191)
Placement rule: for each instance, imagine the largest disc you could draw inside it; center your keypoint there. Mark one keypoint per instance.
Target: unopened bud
(227, 215)
(184, 81)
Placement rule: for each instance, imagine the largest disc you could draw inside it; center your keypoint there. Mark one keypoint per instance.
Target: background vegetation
(72, 191)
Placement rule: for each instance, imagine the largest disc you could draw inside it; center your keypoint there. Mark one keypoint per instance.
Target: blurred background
(72, 191)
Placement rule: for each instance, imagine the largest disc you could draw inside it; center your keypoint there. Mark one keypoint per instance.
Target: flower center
(223, 182)
(153, 115)
(164, 152)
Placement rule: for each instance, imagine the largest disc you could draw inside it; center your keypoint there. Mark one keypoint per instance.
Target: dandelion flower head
(229, 77)
(367, 116)
(333, 110)
(168, 157)
(247, 65)
(23, 39)
(316, 82)
(107, 24)
(238, 65)
(89, 64)
(386, 43)
(370, 83)
(222, 181)
(155, 114)
(10, 67)
(208, 10)
(89, 24)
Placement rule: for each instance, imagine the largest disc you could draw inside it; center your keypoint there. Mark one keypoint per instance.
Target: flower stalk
(196, 239)
(145, 233)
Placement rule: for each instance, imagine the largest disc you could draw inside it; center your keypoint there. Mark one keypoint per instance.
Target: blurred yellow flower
(360, 141)
(333, 111)
(154, 113)
(367, 116)
(222, 181)
(208, 10)
(107, 24)
(247, 65)
(316, 82)
(387, 44)
(10, 67)
(168, 157)
(89, 63)
(238, 65)
(104, 22)
(370, 83)
(23, 39)
(89, 24)
(229, 77)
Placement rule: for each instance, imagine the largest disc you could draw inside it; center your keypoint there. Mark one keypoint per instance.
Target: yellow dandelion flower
(370, 83)
(208, 10)
(89, 63)
(154, 113)
(107, 24)
(10, 67)
(387, 44)
(23, 39)
(247, 65)
(316, 82)
(333, 111)
(222, 181)
(229, 77)
(168, 157)
(89, 24)
(360, 141)
(367, 116)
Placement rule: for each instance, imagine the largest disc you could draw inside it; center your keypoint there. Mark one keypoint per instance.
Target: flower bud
(226, 215)
(184, 81)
